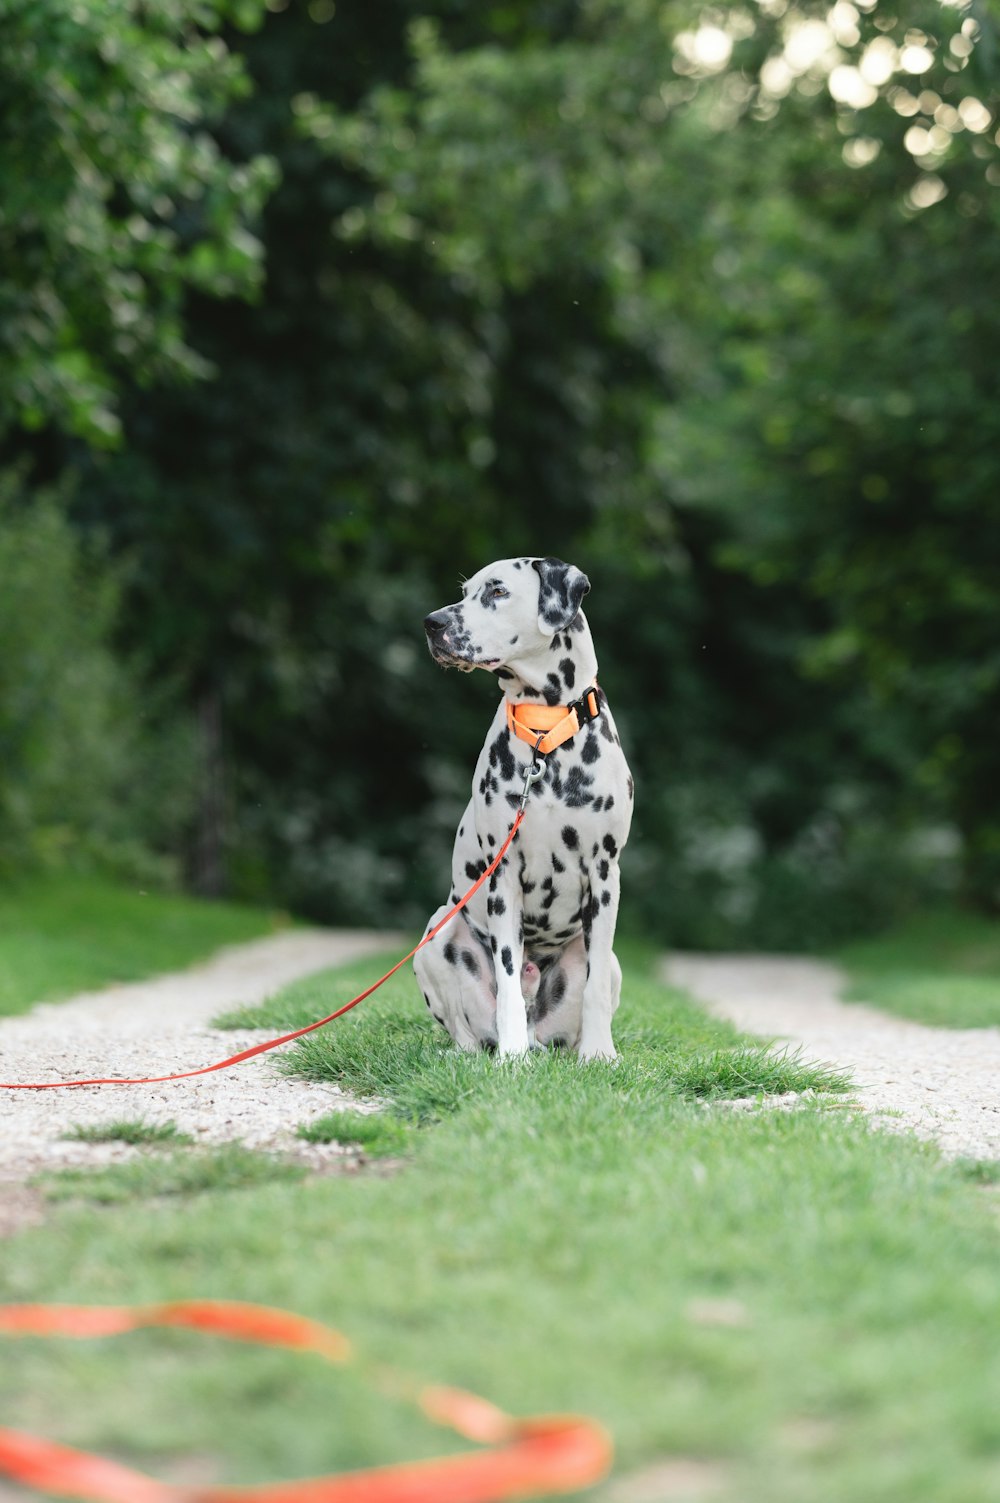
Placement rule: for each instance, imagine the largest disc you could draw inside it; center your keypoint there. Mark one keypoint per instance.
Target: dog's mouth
(447, 659)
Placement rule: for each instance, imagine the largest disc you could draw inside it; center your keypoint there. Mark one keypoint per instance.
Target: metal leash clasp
(535, 772)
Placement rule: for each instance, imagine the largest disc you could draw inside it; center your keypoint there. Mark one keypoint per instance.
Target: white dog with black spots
(530, 960)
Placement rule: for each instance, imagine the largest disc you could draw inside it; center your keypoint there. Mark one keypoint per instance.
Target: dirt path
(156, 1027)
(941, 1083)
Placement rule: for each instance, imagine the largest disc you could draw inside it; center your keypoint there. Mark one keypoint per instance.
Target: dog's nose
(435, 623)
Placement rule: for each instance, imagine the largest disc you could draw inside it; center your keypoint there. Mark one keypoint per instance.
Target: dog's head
(509, 611)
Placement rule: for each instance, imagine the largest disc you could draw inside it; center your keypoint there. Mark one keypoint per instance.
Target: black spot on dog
(501, 756)
(474, 869)
(591, 750)
(606, 730)
(576, 788)
(568, 671)
(631, 786)
(450, 953)
(570, 838)
(605, 898)
(469, 961)
(493, 943)
(553, 689)
(557, 865)
(610, 845)
(499, 906)
(507, 960)
(602, 870)
(504, 672)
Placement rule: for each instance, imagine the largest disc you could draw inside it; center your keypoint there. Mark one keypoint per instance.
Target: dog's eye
(496, 592)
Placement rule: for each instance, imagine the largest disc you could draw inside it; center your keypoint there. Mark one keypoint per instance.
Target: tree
(795, 215)
(116, 199)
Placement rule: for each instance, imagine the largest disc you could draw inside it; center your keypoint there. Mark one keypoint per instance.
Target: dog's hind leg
(455, 974)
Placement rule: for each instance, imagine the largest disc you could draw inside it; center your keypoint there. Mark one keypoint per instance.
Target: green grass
(229, 1168)
(382, 1050)
(69, 934)
(134, 1133)
(979, 1171)
(941, 968)
(808, 1305)
(377, 1135)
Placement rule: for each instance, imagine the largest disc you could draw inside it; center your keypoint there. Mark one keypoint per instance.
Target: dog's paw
(606, 1054)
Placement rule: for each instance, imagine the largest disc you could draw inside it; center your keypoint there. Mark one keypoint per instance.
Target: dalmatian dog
(529, 961)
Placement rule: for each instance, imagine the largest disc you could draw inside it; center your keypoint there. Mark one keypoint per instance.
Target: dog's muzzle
(446, 639)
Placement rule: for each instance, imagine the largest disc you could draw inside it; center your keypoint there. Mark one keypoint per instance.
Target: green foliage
(681, 295)
(803, 260)
(116, 198)
(89, 773)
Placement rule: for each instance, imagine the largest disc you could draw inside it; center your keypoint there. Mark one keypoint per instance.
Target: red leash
(286, 1038)
(527, 1457)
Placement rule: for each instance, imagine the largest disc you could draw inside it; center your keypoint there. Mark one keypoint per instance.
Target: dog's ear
(562, 587)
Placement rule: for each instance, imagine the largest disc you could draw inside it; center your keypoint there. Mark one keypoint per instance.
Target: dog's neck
(554, 674)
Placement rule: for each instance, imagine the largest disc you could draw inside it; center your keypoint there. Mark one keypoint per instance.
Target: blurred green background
(306, 310)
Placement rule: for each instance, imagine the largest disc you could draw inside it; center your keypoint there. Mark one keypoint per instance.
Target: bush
(91, 774)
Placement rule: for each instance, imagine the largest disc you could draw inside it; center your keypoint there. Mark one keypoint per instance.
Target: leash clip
(534, 774)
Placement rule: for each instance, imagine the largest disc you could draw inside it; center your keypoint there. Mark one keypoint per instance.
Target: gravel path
(154, 1028)
(941, 1083)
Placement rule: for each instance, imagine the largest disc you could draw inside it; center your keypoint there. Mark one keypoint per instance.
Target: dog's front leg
(507, 944)
(602, 987)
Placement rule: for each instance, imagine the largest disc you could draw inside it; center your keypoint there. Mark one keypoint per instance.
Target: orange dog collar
(553, 723)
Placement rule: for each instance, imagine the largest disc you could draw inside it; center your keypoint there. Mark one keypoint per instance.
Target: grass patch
(803, 1302)
(979, 1171)
(62, 935)
(669, 1046)
(152, 1133)
(175, 1174)
(941, 968)
(378, 1135)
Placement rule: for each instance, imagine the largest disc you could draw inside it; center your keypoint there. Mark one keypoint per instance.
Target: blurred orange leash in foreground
(528, 1458)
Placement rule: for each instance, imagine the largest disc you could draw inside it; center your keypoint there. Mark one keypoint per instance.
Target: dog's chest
(575, 824)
